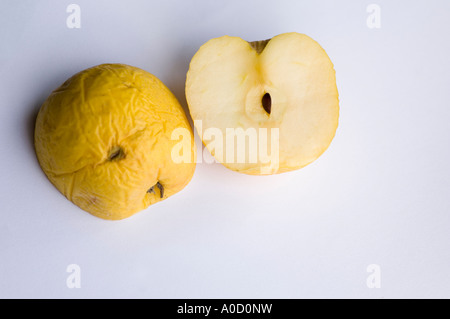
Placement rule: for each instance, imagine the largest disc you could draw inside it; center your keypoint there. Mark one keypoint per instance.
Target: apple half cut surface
(263, 107)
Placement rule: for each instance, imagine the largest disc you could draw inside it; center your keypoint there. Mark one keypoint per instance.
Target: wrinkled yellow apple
(104, 139)
(277, 96)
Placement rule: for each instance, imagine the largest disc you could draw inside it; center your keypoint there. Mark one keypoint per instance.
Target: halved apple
(263, 107)
(104, 139)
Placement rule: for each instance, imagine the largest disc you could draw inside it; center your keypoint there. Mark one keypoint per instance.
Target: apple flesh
(285, 85)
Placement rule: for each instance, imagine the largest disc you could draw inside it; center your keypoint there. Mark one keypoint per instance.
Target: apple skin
(104, 140)
(285, 85)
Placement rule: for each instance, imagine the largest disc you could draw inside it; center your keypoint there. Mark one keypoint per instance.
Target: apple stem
(259, 46)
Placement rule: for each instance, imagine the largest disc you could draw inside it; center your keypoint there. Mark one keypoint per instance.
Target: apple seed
(267, 103)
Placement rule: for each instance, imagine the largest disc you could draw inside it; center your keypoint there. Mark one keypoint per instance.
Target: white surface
(379, 194)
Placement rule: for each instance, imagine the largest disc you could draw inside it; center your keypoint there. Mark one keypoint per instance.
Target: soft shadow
(35, 103)
(30, 122)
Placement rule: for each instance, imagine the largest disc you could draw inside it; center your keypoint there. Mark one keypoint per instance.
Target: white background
(379, 194)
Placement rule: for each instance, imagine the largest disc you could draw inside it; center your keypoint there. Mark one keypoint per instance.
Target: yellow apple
(247, 98)
(104, 138)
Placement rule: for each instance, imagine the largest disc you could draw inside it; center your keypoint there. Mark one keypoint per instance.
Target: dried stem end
(160, 187)
(259, 46)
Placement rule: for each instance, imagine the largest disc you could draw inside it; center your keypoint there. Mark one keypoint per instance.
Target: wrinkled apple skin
(103, 138)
